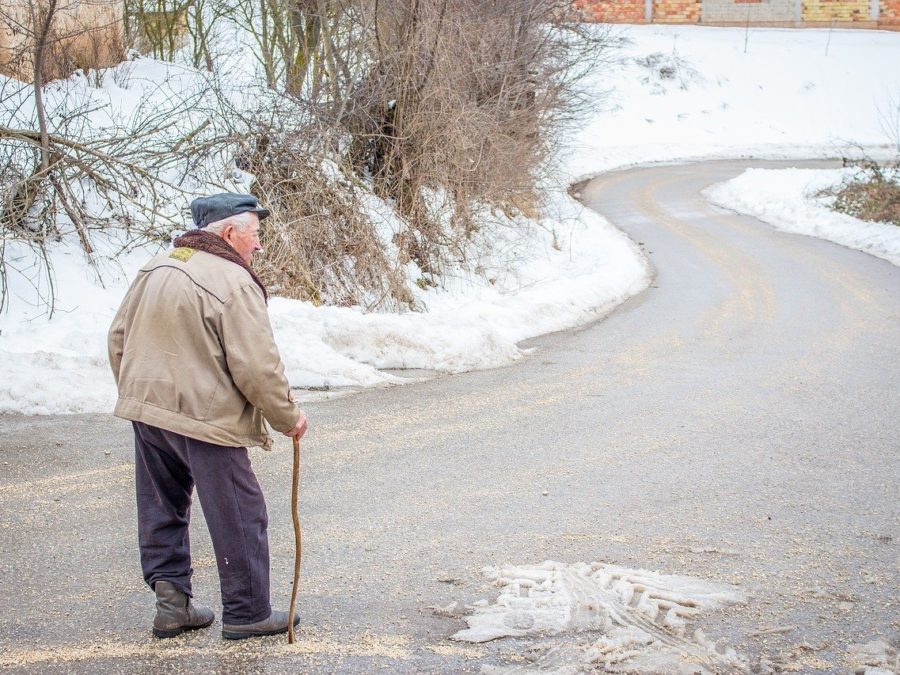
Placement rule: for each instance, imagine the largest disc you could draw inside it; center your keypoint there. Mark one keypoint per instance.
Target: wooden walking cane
(298, 540)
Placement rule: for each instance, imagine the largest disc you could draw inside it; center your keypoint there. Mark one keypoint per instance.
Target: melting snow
(635, 620)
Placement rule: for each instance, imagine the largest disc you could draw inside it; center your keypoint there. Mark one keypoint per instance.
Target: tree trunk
(40, 47)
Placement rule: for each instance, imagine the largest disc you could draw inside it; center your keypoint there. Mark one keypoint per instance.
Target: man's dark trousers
(167, 466)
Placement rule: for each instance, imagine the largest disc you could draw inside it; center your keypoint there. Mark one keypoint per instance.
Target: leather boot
(175, 613)
(276, 623)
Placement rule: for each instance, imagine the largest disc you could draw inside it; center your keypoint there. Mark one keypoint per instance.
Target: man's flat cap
(206, 210)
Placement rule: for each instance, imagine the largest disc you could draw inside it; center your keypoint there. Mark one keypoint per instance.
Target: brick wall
(838, 10)
(676, 11)
(613, 11)
(890, 13)
(771, 12)
(737, 11)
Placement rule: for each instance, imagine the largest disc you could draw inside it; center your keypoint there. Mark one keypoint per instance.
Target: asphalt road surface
(737, 422)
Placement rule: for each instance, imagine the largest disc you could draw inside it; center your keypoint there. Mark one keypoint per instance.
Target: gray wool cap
(206, 210)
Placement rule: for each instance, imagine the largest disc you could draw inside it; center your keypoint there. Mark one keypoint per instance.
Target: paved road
(738, 422)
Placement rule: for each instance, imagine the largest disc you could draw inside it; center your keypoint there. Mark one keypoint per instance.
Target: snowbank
(60, 366)
(786, 199)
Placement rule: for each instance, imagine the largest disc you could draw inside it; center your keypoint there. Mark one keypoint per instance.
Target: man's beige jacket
(192, 352)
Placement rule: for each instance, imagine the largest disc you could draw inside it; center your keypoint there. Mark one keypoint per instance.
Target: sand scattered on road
(369, 645)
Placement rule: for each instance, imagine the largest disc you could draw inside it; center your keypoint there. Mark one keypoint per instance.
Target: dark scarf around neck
(213, 243)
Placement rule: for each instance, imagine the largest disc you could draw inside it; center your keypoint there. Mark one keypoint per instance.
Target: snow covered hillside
(693, 92)
(675, 93)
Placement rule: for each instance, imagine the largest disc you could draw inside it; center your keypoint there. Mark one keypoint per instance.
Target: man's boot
(276, 623)
(175, 613)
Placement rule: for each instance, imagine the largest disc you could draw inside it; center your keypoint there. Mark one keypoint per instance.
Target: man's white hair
(239, 221)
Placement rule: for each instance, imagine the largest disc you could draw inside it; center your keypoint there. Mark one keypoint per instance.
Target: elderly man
(192, 352)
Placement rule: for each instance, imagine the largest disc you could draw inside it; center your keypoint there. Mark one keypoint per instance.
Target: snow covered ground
(675, 93)
(693, 92)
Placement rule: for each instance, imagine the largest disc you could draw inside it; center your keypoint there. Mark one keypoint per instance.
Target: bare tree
(57, 170)
(201, 21)
(467, 98)
(441, 106)
(40, 34)
(162, 27)
(438, 106)
(158, 27)
(307, 48)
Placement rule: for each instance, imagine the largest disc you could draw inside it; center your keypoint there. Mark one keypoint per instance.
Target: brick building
(841, 13)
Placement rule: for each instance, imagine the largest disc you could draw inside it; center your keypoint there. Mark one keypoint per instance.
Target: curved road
(737, 422)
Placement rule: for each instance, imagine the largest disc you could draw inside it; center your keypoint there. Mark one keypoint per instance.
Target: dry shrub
(871, 194)
(463, 97)
(319, 244)
(441, 107)
(438, 106)
(82, 35)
